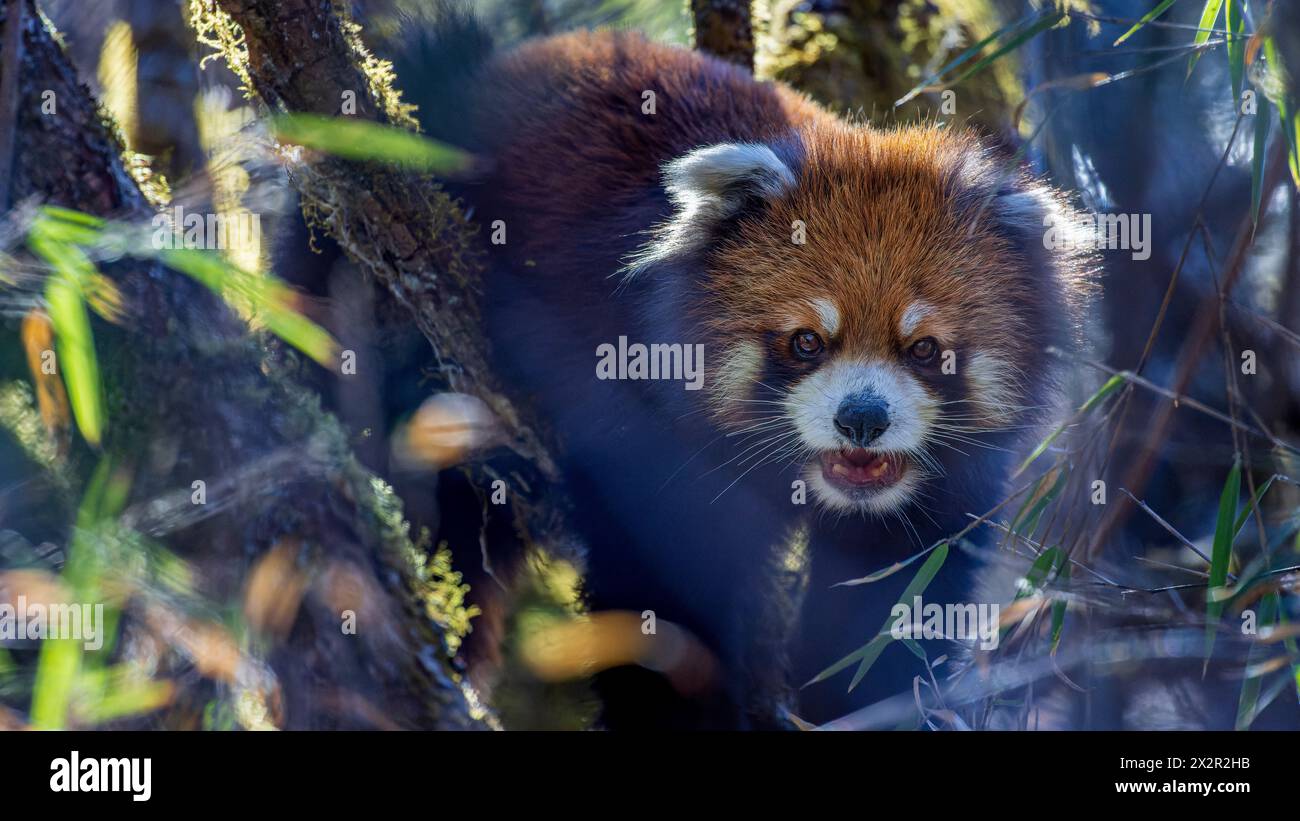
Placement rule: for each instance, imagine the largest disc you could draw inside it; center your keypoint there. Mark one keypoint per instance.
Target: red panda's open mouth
(862, 469)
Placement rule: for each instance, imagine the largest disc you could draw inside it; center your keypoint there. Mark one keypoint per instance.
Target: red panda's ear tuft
(706, 187)
(723, 175)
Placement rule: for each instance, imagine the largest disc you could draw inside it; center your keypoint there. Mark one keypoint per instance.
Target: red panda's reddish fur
(575, 171)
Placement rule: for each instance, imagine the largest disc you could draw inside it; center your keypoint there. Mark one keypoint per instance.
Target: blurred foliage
(362, 140)
(117, 77)
(863, 55)
(547, 593)
(220, 130)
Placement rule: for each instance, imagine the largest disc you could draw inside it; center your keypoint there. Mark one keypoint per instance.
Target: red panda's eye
(924, 350)
(806, 344)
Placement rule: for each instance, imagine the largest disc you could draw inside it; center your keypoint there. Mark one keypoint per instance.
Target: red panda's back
(577, 126)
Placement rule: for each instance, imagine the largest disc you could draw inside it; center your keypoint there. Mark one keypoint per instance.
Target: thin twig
(1187, 543)
(1180, 399)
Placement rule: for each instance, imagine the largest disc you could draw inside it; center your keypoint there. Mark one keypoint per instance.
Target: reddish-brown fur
(575, 172)
(565, 131)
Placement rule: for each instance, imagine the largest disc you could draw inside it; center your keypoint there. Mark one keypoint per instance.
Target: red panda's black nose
(862, 418)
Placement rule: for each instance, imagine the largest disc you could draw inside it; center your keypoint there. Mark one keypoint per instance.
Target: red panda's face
(876, 309)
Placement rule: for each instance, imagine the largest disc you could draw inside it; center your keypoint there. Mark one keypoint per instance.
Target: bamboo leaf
(1290, 120)
(74, 342)
(1047, 488)
(1221, 555)
(1049, 20)
(1250, 685)
(1146, 18)
(1105, 390)
(1235, 21)
(270, 297)
(886, 572)
(1039, 573)
(1263, 120)
(1246, 511)
(914, 588)
(867, 654)
(1059, 607)
(966, 55)
(1209, 16)
(366, 141)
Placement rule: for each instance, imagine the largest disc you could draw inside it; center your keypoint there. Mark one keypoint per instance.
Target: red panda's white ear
(722, 176)
(709, 185)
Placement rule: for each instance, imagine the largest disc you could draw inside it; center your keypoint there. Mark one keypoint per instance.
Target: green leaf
(269, 296)
(1246, 511)
(1146, 18)
(1290, 120)
(1059, 607)
(914, 588)
(867, 654)
(1250, 686)
(886, 572)
(1221, 555)
(65, 225)
(966, 55)
(1263, 120)
(1049, 20)
(74, 341)
(1026, 520)
(1048, 562)
(1105, 390)
(366, 141)
(1235, 22)
(64, 665)
(110, 693)
(56, 675)
(1209, 16)
(56, 235)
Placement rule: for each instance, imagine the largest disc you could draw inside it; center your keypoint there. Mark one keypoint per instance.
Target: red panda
(874, 308)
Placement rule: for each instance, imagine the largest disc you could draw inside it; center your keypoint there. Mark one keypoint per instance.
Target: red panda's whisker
(755, 401)
(758, 424)
(779, 442)
(738, 478)
(757, 445)
(752, 447)
(951, 447)
(949, 437)
(977, 445)
(689, 459)
(930, 463)
(916, 537)
(748, 439)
